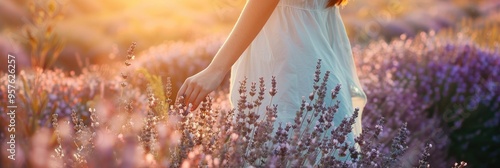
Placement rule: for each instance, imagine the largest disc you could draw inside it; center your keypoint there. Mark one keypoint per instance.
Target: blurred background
(99, 31)
(96, 32)
(432, 63)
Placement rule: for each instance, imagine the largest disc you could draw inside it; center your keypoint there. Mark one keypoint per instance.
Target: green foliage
(157, 86)
(484, 32)
(477, 141)
(34, 101)
(44, 43)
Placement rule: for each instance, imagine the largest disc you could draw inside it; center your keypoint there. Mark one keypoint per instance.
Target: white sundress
(297, 34)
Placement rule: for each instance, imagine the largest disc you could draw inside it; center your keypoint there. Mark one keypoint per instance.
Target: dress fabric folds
(297, 34)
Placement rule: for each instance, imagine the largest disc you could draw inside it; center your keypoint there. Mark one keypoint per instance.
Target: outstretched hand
(253, 17)
(196, 88)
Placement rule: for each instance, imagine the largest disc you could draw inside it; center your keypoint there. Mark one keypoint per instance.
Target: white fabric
(298, 33)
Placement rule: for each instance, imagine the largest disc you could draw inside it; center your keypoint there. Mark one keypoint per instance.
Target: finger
(188, 92)
(193, 95)
(201, 96)
(182, 89)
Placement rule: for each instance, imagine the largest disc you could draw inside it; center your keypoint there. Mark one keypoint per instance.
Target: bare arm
(252, 19)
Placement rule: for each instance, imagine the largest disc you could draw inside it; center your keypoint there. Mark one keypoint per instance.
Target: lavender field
(93, 84)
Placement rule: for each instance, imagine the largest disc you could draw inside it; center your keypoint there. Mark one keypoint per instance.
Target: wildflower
(273, 90)
(124, 76)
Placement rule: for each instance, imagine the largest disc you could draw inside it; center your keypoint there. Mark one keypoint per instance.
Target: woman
(285, 38)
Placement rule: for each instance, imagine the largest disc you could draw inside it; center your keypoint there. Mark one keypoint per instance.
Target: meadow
(95, 85)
